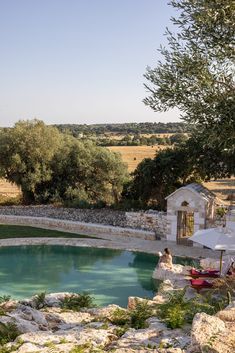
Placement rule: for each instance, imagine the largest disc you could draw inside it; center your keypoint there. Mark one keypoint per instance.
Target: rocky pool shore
(44, 325)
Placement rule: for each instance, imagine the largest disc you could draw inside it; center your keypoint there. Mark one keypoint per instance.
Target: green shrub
(121, 330)
(120, 317)
(77, 301)
(177, 310)
(140, 314)
(4, 298)
(175, 316)
(134, 317)
(39, 300)
(8, 332)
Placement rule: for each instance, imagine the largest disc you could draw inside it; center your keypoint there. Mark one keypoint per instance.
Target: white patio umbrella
(222, 239)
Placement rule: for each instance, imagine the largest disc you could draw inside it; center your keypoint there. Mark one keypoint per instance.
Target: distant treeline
(127, 128)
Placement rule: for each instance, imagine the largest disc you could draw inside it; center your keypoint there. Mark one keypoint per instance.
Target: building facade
(189, 208)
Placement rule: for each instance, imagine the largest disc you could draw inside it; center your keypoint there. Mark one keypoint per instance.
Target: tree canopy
(196, 73)
(50, 166)
(156, 178)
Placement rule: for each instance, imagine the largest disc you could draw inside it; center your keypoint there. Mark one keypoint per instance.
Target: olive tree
(196, 73)
(26, 151)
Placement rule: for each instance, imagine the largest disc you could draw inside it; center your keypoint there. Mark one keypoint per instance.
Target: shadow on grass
(12, 231)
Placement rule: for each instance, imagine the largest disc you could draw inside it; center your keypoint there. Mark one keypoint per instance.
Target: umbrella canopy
(215, 238)
(222, 239)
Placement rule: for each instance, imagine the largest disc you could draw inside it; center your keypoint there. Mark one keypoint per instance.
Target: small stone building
(190, 208)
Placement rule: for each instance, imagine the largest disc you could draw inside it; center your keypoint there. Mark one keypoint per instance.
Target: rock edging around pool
(76, 227)
(53, 329)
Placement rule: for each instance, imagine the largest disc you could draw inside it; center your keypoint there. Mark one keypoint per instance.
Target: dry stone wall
(152, 221)
(149, 220)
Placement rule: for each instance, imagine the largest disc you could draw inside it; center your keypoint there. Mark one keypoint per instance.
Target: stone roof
(197, 188)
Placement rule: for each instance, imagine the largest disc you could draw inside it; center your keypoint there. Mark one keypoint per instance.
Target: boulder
(156, 324)
(55, 299)
(30, 314)
(205, 330)
(139, 338)
(22, 325)
(132, 301)
(105, 312)
(59, 319)
(228, 314)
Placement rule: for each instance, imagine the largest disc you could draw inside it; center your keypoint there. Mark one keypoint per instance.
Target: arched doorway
(185, 225)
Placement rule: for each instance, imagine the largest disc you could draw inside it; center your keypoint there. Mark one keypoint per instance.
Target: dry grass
(8, 189)
(223, 188)
(133, 155)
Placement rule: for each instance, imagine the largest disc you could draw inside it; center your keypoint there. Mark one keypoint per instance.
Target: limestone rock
(30, 314)
(58, 319)
(228, 314)
(55, 299)
(205, 329)
(105, 312)
(22, 325)
(147, 350)
(156, 324)
(132, 301)
(9, 305)
(138, 338)
(77, 336)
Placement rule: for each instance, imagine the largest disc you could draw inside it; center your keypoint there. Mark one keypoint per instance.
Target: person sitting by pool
(166, 259)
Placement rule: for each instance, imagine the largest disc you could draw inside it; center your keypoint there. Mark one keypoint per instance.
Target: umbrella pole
(221, 258)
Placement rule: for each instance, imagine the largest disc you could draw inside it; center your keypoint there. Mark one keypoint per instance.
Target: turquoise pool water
(110, 276)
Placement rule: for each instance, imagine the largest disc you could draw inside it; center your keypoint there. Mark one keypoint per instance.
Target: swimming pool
(110, 276)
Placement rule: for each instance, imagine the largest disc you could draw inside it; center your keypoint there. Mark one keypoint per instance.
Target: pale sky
(79, 61)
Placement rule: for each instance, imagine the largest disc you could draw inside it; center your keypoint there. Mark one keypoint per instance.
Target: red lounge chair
(199, 284)
(207, 273)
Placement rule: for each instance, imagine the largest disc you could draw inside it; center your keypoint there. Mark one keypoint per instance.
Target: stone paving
(117, 242)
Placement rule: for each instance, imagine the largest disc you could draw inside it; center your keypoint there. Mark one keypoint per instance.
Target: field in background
(224, 189)
(133, 155)
(8, 189)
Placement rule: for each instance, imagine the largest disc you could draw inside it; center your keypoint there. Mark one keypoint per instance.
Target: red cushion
(200, 283)
(206, 273)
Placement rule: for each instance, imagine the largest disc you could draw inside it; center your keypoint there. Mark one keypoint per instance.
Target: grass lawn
(11, 231)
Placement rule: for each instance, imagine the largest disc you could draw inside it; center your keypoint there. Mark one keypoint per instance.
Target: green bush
(134, 317)
(140, 314)
(120, 317)
(177, 310)
(39, 300)
(175, 316)
(4, 298)
(120, 331)
(77, 301)
(8, 332)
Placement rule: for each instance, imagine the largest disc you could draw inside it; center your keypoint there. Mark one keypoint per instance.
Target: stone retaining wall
(149, 220)
(76, 227)
(152, 221)
(100, 216)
